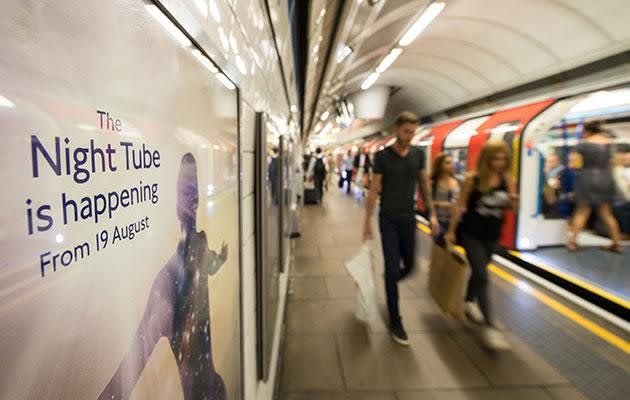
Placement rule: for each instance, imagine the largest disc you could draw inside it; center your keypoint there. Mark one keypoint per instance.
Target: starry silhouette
(178, 307)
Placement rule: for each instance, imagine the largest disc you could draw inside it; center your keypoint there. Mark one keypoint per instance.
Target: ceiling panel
(475, 48)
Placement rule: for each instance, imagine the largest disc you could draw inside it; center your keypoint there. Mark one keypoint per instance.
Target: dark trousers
(398, 237)
(348, 179)
(319, 185)
(479, 252)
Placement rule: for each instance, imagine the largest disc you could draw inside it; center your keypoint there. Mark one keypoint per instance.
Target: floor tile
(422, 315)
(476, 394)
(339, 396)
(327, 316)
(307, 251)
(519, 366)
(305, 369)
(341, 287)
(318, 266)
(375, 362)
(343, 252)
(312, 287)
(565, 393)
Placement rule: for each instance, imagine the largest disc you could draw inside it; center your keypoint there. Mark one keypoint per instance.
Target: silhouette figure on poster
(178, 308)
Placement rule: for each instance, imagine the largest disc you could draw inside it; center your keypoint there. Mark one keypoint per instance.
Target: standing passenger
(486, 194)
(319, 172)
(594, 186)
(397, 170)
(445, 190)
(348, 164)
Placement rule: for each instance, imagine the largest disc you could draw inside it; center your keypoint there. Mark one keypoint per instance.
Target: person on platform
(317, 171)
(486, 193)
(445, 190)
(398, 170)
(594, 186)
(348, 165)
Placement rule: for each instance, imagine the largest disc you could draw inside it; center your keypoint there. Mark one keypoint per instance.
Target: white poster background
(62, 336)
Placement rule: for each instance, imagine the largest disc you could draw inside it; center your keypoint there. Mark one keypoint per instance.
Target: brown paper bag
(448, 280)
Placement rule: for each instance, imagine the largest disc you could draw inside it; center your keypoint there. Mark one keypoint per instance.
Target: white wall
(241, 43)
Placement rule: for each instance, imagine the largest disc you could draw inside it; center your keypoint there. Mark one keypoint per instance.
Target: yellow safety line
(567, 312)
(424, 228)
(560, 308)
(575, 281)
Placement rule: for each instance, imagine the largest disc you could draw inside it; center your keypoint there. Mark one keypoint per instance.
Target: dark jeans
(319, 185)
(398, 236)
(479, 252)
(348, 179)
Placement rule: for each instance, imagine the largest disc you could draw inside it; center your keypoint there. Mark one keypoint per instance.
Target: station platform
(328, 354)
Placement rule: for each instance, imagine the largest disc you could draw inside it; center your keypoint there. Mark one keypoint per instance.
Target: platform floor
(608, 271)
(328, 355)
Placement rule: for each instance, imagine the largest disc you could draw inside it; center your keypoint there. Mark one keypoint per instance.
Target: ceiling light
(168, 25)
(234, 44)
(369, 81)
(204, 61)
(224, 40)
(225, 81)
(425, 19)
(203, 7)
(325, 115)
(4, 102)
(214, 11)
(388, 60)
(602, 100)
(343, 52)
(240, 64)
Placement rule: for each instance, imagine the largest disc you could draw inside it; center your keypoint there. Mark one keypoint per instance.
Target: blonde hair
(488, 152)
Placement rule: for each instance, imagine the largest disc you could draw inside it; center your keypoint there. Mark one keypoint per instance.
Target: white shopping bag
(360, 269)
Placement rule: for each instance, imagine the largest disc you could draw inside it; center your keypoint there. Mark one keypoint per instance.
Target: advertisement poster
(119, 266)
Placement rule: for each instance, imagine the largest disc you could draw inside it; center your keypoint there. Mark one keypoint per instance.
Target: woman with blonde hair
(445, 190)
(486, 193)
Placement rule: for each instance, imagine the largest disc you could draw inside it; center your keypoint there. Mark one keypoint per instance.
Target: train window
(456, 144)
(557, 177)
(505, 130)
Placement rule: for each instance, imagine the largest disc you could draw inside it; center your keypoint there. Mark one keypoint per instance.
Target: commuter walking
(348, 164)
(594, 186)
(316, 172)
(445, 190)
(397, 170)
(331, 167)
(486, 193)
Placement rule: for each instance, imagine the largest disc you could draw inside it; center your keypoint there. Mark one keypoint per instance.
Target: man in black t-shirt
(397, 170)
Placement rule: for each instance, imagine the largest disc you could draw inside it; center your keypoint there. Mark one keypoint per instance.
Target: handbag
(449, 274)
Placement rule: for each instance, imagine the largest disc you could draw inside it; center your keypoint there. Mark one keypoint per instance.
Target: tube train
(535, 132)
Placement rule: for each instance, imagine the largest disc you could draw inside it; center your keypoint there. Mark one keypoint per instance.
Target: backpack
(320, 168)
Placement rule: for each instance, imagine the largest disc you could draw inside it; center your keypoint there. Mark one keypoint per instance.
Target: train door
(550, 140)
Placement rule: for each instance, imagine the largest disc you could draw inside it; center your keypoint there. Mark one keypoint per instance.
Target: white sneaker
(494, 339)
(473, 312)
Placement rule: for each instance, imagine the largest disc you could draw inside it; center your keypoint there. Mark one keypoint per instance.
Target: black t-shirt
(400, 176)
(485, 210)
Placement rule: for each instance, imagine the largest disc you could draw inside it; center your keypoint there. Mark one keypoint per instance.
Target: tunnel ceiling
(474, 48)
